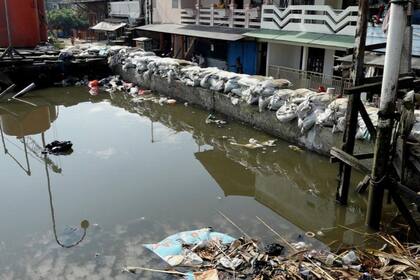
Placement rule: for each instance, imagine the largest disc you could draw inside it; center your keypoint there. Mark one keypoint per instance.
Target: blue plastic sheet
(171, 250)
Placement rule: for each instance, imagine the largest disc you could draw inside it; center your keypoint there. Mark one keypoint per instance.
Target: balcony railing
(129, 9)
(310, 18)
(307, 79)
(243, 18)
(306, 18)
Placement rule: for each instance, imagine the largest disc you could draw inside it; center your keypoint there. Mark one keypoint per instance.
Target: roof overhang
(378, 60)
(208, 32)
(309, 39)
(108, 26)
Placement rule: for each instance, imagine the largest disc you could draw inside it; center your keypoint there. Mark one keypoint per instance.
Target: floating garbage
(223, 257)
(212, 119)
(58, 148)
(255, 144)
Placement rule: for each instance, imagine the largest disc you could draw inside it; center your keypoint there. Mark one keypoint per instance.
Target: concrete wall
(318, 139)
(164, 13)
(284, 55)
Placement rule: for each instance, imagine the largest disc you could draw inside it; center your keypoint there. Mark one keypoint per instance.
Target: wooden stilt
(385, 127)
(353, 103)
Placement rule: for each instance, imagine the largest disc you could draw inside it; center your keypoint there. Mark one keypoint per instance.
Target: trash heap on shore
(308, 107)
(207, 255)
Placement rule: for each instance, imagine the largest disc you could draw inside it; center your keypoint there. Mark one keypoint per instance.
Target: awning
(108, 26)
(209, 32)
(378, 60)
(310, 39)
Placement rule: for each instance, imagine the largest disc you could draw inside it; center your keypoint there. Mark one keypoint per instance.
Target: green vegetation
(66, 20)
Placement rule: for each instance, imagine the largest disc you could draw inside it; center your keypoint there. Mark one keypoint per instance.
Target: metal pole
(394, 46)
(9, 33)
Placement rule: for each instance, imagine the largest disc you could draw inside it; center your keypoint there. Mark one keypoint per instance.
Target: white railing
(244, 18)
(129, 9)
(307, 79)
(310, 18)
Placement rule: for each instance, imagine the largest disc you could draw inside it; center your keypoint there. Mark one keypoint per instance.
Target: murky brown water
(141, 173)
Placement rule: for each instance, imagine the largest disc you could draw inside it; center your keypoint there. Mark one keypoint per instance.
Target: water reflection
(141, 173)
(298, 186)
(21, 121)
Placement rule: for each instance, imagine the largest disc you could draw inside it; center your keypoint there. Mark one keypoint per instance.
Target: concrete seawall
(318, 139)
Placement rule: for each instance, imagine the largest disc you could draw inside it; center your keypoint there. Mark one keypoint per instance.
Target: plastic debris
(172, 249)
(58, 148)
(212, 119)
(349, 258)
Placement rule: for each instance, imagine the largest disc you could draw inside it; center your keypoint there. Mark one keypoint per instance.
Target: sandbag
(287, 112)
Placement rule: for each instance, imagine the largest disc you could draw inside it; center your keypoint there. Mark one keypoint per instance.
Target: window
(174, 4)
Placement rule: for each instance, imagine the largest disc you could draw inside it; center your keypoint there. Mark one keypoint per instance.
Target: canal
(140, 172)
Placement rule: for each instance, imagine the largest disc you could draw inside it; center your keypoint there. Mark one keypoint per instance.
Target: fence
(310, 80)
(243, 18)
(310, 18)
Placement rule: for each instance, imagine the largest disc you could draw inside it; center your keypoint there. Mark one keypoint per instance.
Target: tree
(66, 20)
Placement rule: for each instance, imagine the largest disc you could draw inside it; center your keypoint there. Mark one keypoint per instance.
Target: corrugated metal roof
(378, 60)
(108, 26)
(311, 39)
(219, 33)
(375, 35)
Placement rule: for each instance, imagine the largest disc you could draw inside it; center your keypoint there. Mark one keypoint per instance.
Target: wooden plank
(365, 116)
(376, 46)
(349, 160)
(406, 213)
(358, 156)
(406, 192)
(363, 185)
(404, 82)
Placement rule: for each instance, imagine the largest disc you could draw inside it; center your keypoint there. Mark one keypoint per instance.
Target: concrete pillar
(304, 65)
(267, 65)
(328, 62)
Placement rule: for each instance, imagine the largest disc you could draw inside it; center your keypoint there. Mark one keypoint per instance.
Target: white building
(296, 39)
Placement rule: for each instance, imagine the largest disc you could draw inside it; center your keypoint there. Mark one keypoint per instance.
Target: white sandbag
(287, 112)
(230, 85)
(281, 83)
(304, 109)
(248, 82)
(340, 125)
(263, 103)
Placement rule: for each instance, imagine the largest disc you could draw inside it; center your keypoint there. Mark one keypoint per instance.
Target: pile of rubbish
(308, 107)
(207, 255)
(91, 49)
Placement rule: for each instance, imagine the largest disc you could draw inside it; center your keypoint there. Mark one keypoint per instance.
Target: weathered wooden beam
(405, 192)
(404, 82)
(365, 116)
(349, 136)
(376, 46)
(405, 213)
(358, 156)
(363, 185)
(349, 160)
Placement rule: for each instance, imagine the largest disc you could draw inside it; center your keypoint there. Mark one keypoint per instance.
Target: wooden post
(349, 136)
(405, 65)
(381, 162)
